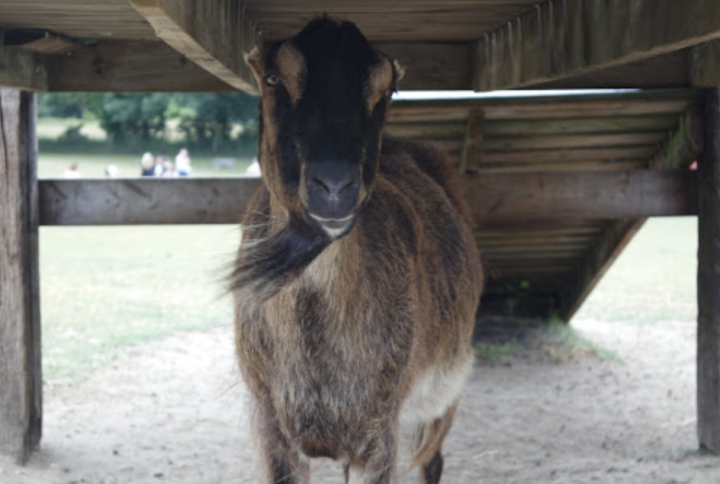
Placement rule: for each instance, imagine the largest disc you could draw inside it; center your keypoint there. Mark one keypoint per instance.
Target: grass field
(105, 288)
(654, 280)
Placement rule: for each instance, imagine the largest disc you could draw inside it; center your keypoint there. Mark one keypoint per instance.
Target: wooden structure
(558, 185)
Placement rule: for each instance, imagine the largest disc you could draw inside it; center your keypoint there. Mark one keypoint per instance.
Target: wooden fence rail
(496, 199)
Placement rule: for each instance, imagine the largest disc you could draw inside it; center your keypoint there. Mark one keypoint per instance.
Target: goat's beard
(267, 264)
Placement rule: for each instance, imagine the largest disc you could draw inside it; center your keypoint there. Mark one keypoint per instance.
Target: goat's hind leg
(282, 464)
(429, 447)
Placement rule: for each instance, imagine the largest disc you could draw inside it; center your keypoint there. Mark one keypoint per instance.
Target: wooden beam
(708, 280)
(144, 201)
(517, 198)
(20, 69)
(129, 67)
(432, 66)
(20, 368)
(558, 40)
(214, 34)
(497, 199)
(705, 65)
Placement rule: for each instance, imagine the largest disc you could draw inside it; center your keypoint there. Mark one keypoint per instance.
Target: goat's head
(325, 96)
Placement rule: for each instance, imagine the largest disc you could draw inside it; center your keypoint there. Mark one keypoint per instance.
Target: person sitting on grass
(147, 164)
(72, 172)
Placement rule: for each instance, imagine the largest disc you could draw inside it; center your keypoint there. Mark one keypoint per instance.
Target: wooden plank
(573, 166)
(431, 66)
(20, 367)
(705, 65)
(20, 69)
(473, 147)
(497, 199)
(594, 125)
(130, 67)
(708, 280)
(540, 157)
(52, 44)
(525, 197)
(144, 201)
(560, 40)
(571, 141)
(212, 33)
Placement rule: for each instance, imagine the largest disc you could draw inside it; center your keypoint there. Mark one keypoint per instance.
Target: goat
(357, 280)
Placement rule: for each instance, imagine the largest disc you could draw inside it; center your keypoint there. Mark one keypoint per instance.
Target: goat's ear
(254, 60)
(399, 70)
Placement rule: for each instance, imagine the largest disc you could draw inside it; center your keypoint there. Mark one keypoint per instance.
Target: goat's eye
(273, 80)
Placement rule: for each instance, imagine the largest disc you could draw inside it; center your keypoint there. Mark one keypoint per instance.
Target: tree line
(207, 121)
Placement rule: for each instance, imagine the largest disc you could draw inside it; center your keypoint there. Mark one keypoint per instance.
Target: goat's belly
(330, 420)
(434, 391)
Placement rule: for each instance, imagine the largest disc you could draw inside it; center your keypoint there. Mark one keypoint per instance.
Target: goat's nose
(333, 184)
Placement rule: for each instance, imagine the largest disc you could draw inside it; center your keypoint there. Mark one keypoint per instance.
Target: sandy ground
(173, 412)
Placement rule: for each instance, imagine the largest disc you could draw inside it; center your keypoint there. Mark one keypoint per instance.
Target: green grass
(653, 280)
(53, 165)
(106, 288)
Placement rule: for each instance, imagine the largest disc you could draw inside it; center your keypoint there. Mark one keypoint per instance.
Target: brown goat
(358, 279)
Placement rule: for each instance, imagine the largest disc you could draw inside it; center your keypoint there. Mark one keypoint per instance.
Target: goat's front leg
(282, 464)
(377, 463)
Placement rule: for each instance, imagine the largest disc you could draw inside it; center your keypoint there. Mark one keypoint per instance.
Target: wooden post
(708, 281)
(20, 367)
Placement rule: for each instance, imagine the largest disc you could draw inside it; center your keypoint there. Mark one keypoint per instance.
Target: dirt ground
(173, 412)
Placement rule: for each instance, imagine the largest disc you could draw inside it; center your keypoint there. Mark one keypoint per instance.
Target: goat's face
(325, 95)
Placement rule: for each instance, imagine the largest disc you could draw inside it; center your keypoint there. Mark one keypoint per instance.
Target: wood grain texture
(708, 280)
(144, 201)
(130, 67)
(560, 40)
(20, 368)
(532, 197)
(20, 69)
(214, 34)
(494, 198)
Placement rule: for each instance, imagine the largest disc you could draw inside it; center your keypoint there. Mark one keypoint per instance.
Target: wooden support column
(20, 367)
(708, 280)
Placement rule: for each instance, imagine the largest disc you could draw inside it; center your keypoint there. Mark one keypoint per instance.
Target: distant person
(111, 171)
(182, 163)
(168, 170)
(72, 172)
(253, 171)
(147, 165)
(159, 167)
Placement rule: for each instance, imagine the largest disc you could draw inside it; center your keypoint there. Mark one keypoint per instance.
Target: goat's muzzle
(332, 196)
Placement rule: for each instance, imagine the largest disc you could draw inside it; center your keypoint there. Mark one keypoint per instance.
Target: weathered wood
(431, 66)
(214, 34)
(494, 199)
(20, 69)
(540, 157)
(705, 65)
(708, 280)
(525, 197)
(473, 147)
(144, 201)
(20, 368)
(559, 40)
(130, 67)
(52, 44)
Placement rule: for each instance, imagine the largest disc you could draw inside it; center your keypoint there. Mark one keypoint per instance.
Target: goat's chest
(335, 362)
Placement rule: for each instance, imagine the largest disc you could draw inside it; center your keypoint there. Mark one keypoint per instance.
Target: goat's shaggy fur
(344, 334)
